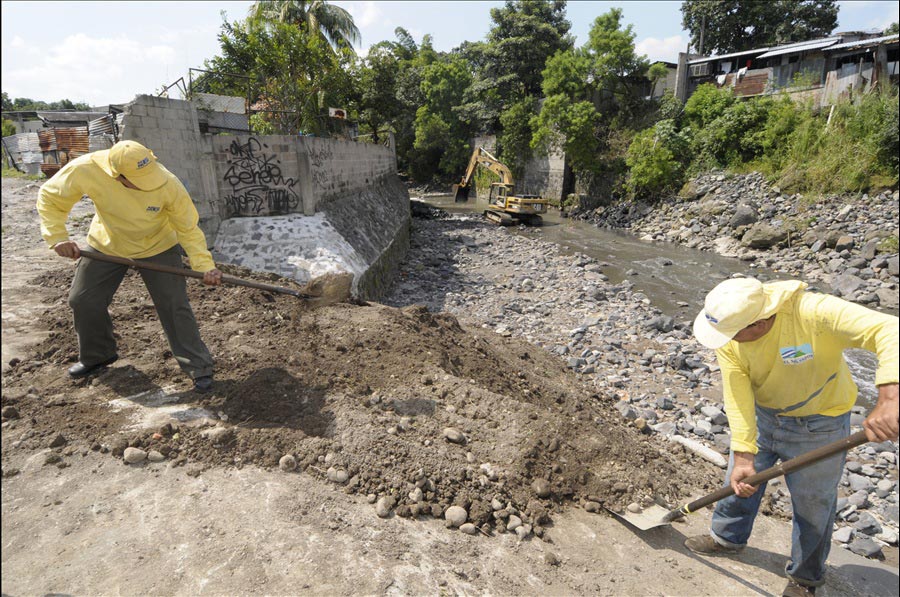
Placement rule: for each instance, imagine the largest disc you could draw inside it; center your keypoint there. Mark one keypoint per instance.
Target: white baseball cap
(736, 303)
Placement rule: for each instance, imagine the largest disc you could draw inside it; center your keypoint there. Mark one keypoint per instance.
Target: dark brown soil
(361, 388)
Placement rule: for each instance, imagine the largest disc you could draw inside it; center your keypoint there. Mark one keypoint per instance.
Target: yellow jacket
(798, 367)
(127, 223)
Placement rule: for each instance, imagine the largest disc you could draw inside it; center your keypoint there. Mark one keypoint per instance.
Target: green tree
(9, 128)
(735, 25)
(442, 136)
(294, 74)
(507, 66)
(590, 91)
(333, 22)
(514, 140)
(892, 29)
(377, 84)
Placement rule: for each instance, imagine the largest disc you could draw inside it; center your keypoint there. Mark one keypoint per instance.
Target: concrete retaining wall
(544, 175)
(296, 206)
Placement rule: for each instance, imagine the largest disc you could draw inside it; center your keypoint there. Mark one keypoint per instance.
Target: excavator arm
(481, 157)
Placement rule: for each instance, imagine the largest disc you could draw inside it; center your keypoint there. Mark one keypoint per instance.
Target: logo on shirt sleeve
(793, 355)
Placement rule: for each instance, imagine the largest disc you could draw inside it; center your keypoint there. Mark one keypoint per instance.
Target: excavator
(504, 207)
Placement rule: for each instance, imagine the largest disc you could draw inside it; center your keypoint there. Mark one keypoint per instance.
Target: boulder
(744, 215)
(846, 284)
(763, 236)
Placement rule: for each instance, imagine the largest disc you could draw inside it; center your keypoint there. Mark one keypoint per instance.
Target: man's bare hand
(883, 423)
(67, 248)
(212, 278)
(743, 468)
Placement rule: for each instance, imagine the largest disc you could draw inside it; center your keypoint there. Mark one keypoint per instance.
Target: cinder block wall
(170, 129)
(249, 191)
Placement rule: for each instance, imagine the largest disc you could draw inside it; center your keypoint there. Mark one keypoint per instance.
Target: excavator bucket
(460, 193)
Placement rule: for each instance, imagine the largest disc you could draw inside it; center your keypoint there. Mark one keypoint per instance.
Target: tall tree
(736, 25)
(333, 22)
(294, 75)
(589, 90)
(507, 66)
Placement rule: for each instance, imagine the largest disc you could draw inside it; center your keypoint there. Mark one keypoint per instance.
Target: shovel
(656, 516)
(334, 289)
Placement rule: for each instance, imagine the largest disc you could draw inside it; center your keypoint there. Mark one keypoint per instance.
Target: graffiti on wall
(317, 158)
(258, 186)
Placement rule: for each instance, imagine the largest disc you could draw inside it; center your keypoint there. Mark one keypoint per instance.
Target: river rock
(456, 515)
(859, 482)
(844, 243)
(384, 505)
(763, 236)
(744, 215)
(469, 528)
(454, 436)
(287, 463)
(155, 456)
(865, 546)
(867, 524)
(843, 535)
(846, 285)
(134, 455)
(541, 488)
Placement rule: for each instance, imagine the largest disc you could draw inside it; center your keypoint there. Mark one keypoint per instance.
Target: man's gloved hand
(67, 248)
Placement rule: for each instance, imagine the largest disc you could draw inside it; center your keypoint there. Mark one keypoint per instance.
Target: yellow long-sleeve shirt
(798, 367)
(127, 223)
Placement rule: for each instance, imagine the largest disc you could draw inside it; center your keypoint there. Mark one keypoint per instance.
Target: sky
(108, 52)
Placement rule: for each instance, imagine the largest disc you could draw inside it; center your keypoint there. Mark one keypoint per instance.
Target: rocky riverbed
(849, 242)
(612, 337)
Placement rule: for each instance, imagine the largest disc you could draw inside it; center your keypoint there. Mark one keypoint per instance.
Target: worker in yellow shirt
(143, 212)
(788, 390)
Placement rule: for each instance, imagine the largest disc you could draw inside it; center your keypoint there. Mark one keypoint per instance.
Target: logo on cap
(143, 162)
(711, 319)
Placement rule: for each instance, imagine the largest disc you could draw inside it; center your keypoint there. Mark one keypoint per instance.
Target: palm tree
(333, 22)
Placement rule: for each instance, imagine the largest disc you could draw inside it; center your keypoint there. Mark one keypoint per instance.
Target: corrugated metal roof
(862, 43)
(101, 126)
(726, 56)
(50, 116)
(803, 46)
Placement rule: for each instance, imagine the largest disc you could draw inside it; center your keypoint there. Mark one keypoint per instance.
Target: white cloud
(366, 14)
(661, 49)
(83, 68)
(17, 42)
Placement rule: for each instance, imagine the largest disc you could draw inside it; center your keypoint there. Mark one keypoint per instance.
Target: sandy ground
(92, 525)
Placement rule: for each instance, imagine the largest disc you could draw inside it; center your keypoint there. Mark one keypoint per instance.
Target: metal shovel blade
(648, 518)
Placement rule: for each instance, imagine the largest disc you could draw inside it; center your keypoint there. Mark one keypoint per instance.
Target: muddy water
(674, 278)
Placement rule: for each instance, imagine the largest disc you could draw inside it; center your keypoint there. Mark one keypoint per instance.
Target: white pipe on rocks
(700, 450)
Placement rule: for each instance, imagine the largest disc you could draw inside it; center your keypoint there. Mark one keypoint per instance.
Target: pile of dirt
(400, 404)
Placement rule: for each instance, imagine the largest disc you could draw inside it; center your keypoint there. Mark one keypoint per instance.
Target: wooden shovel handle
(189, 273)
(789, 466)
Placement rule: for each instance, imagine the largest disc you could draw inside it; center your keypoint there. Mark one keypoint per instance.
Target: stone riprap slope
(846, 241)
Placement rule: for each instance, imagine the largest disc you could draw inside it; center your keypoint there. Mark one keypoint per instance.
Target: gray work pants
(92, 292)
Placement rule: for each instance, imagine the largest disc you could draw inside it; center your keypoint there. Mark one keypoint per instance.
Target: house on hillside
(822, 69)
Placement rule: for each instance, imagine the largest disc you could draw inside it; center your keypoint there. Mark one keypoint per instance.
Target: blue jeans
(813, 490)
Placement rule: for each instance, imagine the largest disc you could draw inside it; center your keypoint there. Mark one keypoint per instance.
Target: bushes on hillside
(793, 143)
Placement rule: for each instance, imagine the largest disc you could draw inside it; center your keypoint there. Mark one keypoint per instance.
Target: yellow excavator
(504, 207)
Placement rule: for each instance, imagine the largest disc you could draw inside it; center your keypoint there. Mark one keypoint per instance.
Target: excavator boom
(504, 207)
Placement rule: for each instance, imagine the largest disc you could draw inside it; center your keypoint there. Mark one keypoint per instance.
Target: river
(674, 278)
